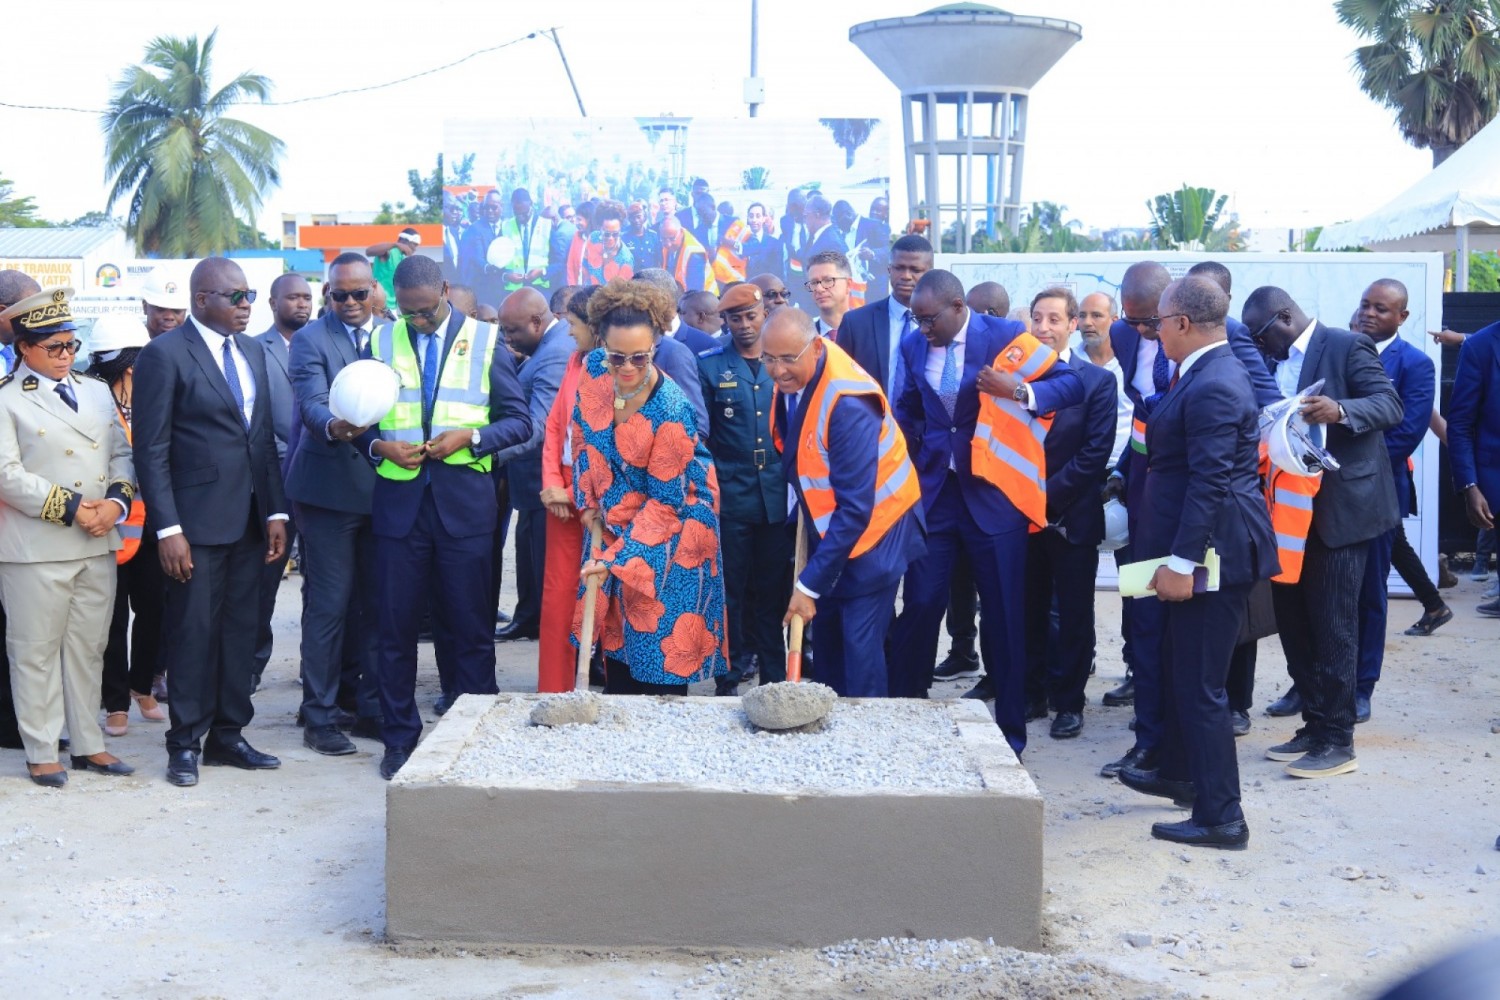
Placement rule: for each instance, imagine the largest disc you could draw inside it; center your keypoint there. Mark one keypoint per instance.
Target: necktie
(429, 377)
(948, 383)
(8, 354)
(898, 370)
(66, 392)
(232, 376)
(1160, 370)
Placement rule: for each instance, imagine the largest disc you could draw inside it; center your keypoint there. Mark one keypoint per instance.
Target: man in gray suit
(530, 328)
(291, 305)
(329, 483)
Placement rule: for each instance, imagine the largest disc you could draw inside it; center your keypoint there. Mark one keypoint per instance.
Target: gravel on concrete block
(787, 706)
(573, 708)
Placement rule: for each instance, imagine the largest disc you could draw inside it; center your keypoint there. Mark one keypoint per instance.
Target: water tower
(964, 71)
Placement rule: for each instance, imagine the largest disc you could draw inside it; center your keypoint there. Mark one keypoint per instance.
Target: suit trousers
(1406, 562)
(757, 587)
(531, 566)
(1319, 623)
(1146, 621)
(338, 573)
(1000, 577)
(557, 660)
(456, 573)
(1127, 652)
(270, 585)
(1062, 574)
(1197, 738)
(497, 558)
(1241, 683)
(1373, 611)
(208, 637)
(849, 642)
(963, 605)
(58, 625)
(132, 658)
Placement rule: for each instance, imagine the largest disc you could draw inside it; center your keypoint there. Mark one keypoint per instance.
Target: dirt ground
(271, 884)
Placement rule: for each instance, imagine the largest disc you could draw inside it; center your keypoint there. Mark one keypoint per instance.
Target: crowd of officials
(719, 458)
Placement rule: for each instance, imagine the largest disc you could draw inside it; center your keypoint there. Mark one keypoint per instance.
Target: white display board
(124, 296)
(1327, 286)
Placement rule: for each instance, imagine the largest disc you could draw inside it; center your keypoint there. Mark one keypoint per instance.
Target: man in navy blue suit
(1474, 432)
(1201, 492)
(948, 362)
(872, 235)
(872, 333)
(434, 514)
(1063, 560)
(859, 499)
(764, 253)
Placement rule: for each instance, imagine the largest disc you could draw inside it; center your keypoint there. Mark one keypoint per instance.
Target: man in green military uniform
(67, 483)
(756, 541)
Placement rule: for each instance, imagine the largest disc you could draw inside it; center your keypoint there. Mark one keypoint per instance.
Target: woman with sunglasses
(640, 472)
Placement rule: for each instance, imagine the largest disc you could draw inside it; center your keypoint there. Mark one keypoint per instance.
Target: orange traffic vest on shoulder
(135, 521)
(1290, 500)
(729, 263)
(1007, 450)
(896, 487)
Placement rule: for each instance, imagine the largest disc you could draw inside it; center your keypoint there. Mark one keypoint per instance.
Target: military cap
(45, 312)
(739, 297)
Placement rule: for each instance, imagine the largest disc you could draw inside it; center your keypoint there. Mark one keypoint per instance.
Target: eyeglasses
(813, 284)
(1150, 322)
(237, 297)
(58, 348)
(638, 360)
(777, 296)
(782, 360)
(1156, 321)
(425, 315)
(341, 295)
(923, 322)
(1260, 334)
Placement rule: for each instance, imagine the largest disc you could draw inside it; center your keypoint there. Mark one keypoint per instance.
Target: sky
(1256, 100)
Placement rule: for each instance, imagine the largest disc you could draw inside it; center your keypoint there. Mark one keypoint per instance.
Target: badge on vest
(729, 385)
(1014, 355)
(462, 348)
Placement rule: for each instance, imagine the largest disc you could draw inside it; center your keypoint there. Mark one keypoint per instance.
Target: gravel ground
(271, 884)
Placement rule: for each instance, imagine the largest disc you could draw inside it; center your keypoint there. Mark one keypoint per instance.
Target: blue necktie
(232, 376)
(66, 392)
(1161, 373)
(898, 370)
(429, 378)
(948, 384)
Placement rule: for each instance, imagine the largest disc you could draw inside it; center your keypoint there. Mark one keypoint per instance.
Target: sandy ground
(271, 884)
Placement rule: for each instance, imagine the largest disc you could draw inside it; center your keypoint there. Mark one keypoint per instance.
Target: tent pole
(1461, 266)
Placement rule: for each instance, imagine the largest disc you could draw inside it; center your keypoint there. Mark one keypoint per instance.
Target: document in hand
(1135, 578)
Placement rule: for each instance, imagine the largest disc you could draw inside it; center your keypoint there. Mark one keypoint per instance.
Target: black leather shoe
(1239, 722)
(443, 703)
(1122, 695)
(501, 618)
(1036, 709)
(182, 768)
(1144, 760)
(1288, 704)
(118, 767)
(1361, 709)
(1431, 621)
(53, 779)
(514, 632)
(1067, 725)
(958, 664)
(1228, 837)
(367, 727)
(1152, 783)
(238, 754)
(984, 690)
(395, 758)
(327, 740)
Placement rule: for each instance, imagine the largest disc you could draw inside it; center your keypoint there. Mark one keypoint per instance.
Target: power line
(321, 97)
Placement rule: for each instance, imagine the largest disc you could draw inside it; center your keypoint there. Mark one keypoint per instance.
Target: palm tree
(191, 175)
(1188, 219)
(1435, 63)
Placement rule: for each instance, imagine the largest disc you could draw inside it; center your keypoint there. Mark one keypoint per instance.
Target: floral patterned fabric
(661, 608)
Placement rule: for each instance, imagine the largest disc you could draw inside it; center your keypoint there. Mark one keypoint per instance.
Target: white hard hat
(1293, 445)
(1116, 526)
(363, 392)
(164, 289)
(501, 252)
(117, 331)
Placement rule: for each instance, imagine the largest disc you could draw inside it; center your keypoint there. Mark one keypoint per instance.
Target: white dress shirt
(1124, 411)
(1145, 361)
(1289, 372)
(1381, 345)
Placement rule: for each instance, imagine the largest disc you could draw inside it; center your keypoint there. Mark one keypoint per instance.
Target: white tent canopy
(1455, 207)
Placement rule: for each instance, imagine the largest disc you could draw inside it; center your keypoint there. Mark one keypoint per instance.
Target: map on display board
(1327, 286)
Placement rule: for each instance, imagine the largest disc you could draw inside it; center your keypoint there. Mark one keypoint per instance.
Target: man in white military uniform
(65, 482)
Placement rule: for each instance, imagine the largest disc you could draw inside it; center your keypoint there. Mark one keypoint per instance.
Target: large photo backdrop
(545, 203)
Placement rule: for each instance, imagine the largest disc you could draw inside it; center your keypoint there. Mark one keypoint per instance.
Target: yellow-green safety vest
(462, 400)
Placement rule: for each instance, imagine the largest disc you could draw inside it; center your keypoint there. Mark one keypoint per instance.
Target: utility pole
(755, 87)
(566, 69)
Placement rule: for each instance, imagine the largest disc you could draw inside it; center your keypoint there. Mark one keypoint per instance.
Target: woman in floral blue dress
(640, 471)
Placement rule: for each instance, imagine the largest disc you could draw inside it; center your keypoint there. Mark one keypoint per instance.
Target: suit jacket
(540, 378)
(1415, 377)
(198, 465)
(678, 361)
(280, 388)
(866, 334)
(694, 339)
(1202, 474)
(1077, 447)
(766, 255)
(464, 496)
(335, 475)
(876, 236)
(932, 437)
(54, 459)
(829, 239)
(1358, 502)
(1474, 415)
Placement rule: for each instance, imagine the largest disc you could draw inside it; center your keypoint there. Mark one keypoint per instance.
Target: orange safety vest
(690, 248)
(896, 487)
(1007, 450)
(1290, 500)
(135, 521)
(728, 265)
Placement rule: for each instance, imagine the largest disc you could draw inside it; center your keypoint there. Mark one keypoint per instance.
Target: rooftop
(61, 241)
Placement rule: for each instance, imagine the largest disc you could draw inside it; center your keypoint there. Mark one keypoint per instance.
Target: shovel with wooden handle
(590, 599)
(794, 637)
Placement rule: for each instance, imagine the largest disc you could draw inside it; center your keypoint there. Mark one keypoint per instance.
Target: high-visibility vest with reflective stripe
(462, 400)
(1007, 450)
(730, 261)
(692, 248)
(537, 241)
(135, 519)
(896, 487)
(1290, 501)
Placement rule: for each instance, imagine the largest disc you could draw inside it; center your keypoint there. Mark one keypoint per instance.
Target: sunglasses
(237, 297)
(638, 360)
(775, 296)
(1259, 335)
(58, 348)
(341, 295)
(1149, 322)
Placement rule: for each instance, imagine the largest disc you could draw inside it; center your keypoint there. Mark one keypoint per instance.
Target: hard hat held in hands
(364, 392)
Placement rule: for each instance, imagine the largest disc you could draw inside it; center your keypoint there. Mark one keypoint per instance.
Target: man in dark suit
(1474, 432)
(764, 253)
(329, 482)
(822, 236)
(872, 333)
(1202, 492)
(474, 268)
(205, 453)
(434, 512)
(1318, 617)
(872, 235)
(291, 305)
(792, 230)
(529, 328)
(947, 361)
(1063, 560)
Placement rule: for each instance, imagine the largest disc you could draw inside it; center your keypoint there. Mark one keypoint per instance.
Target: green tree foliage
(1435, 63)
(191, 175)
(1484, 272)
(1188, 219)
(17, 213)
(850, 133)
(1044, 230)
(756, 178)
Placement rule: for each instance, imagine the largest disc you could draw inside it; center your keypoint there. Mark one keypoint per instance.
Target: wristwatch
(474, 441)
(1019, 393)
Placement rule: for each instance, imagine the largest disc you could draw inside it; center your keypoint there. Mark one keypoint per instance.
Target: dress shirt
(824, 330)
(1124, 411)
(937, 357)
(1289, 372)
(1177, 564)
(1381, 345)
(898, 316)
(359, 336)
